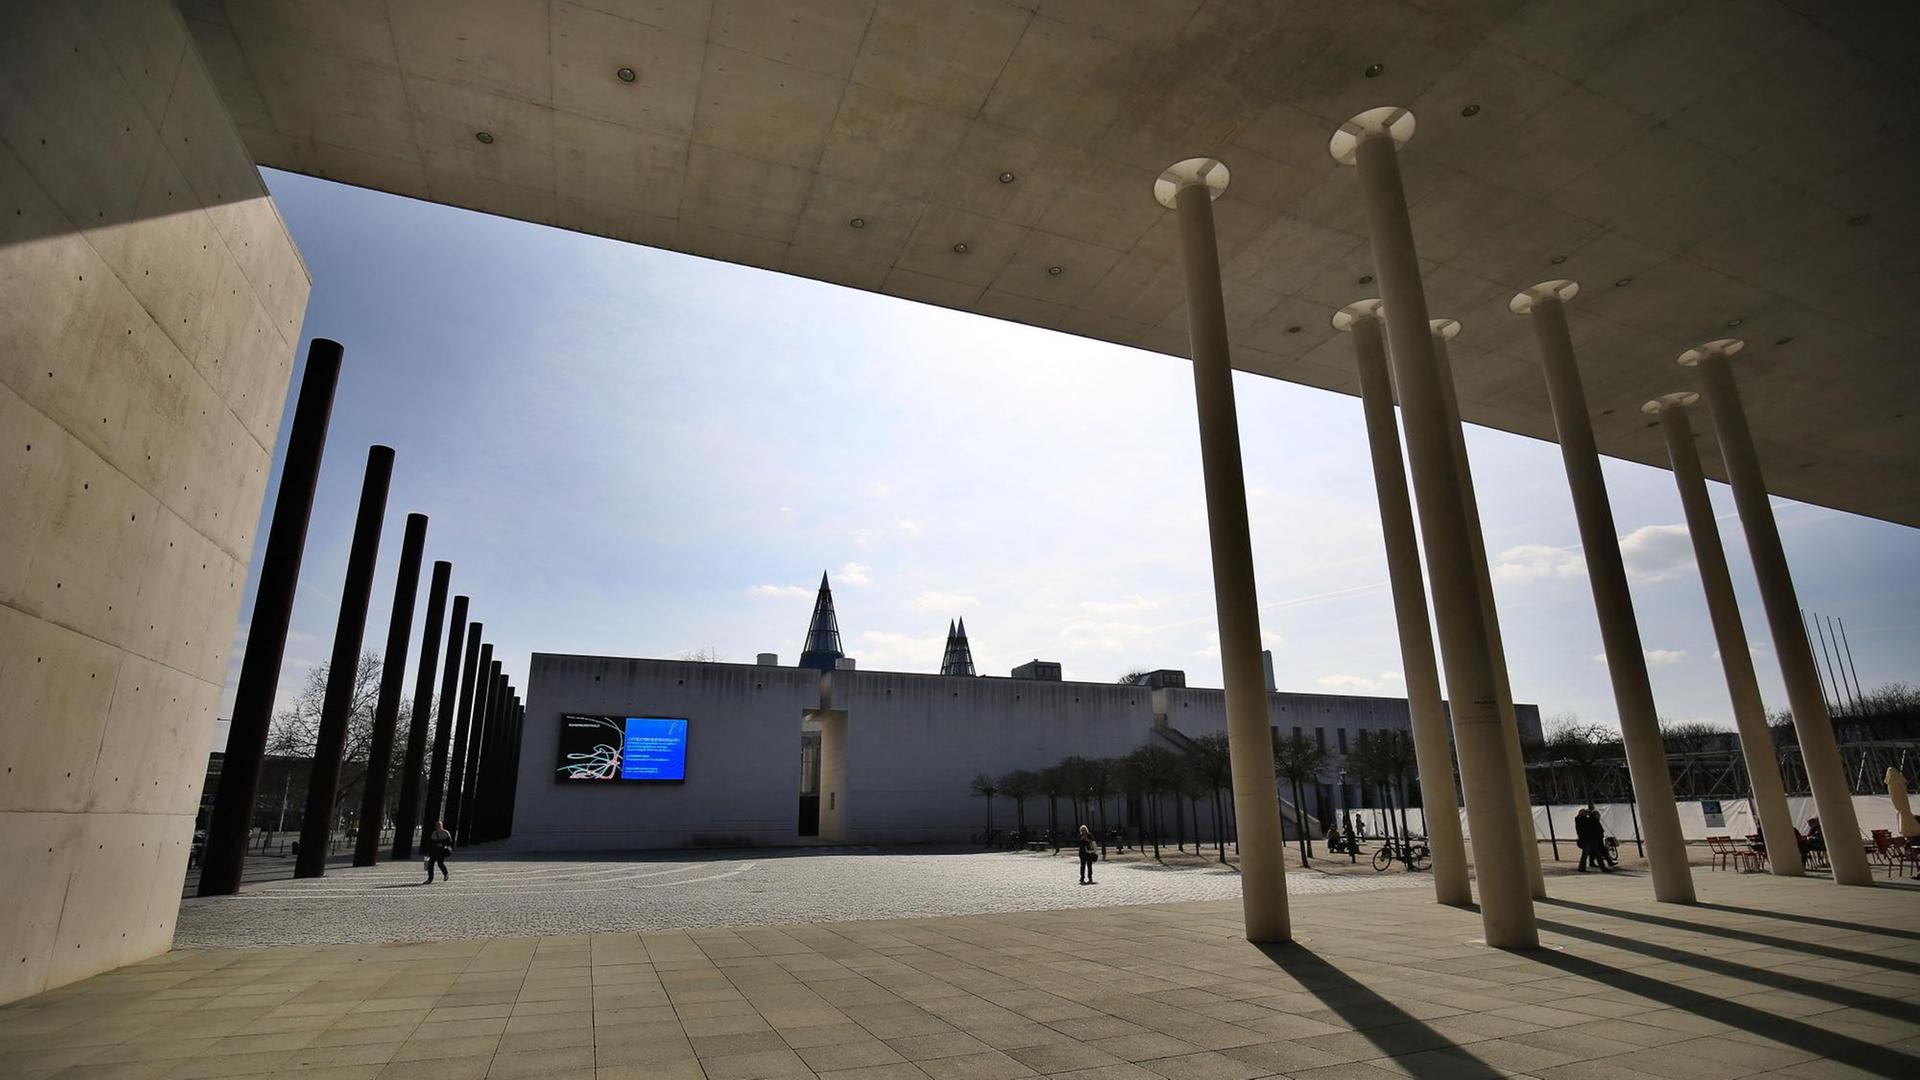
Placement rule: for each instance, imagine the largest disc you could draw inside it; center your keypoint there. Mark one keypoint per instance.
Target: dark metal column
(407, 816)
(386, 710)
(225, 854)
(443, 718)
(323, 783)
(470, 677)
(485, 792)
(483, 707)
(513, 767)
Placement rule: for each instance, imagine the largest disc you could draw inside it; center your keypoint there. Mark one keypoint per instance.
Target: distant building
(772, 755)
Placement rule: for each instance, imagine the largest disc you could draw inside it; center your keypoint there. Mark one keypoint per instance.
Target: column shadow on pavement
(1866, 1056)
(1829, 952)
(1812, 920)
(1395, 1031)
(1792, 984)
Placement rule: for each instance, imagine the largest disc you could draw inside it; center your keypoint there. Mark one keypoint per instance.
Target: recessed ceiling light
(1366, 279)
(1557, 259)
(1006, 178)
(626, 74)
(1470, 110)
(858, 223)
(1373, 70)
(1055, 271)
(1623, 283)
(1859, 219)
(1788, 340)
(1293, 329)
(1734, 322)
(484, 136)
(960, 248)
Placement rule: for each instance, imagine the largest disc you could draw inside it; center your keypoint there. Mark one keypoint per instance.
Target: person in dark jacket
(1592, 838)
(439, 846)
(1089, 854)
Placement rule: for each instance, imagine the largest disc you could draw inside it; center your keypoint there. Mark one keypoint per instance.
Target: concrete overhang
(1703, 169)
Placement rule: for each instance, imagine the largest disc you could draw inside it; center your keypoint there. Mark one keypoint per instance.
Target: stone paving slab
(1765, 977)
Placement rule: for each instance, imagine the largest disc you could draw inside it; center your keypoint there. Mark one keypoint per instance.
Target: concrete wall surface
(150, 298)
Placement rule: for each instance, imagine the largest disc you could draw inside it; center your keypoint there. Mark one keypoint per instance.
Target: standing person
(1089, 854)
(439, 846)
(1583, 837)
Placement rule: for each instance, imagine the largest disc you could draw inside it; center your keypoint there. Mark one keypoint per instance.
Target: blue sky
(633, 452)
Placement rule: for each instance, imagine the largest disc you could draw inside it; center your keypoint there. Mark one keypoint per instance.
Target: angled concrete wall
(150, 298)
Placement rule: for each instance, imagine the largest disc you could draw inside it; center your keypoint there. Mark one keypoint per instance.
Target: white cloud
(861, 537)
(907, 525)
(1387, 682)
(1119, 607)
(780, 591)
(935, 600)
(1535, 562)
(878, 491)
(1657, 552)
(1655, 657)
(856, 574)
(887, 651)
(1109, 635)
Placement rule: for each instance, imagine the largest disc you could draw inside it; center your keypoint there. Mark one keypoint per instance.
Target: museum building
(630, 753)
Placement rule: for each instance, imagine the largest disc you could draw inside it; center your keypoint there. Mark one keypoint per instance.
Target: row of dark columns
(470, 763)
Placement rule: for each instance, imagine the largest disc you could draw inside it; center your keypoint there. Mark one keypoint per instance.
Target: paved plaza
(494, 895)
(1793, 979)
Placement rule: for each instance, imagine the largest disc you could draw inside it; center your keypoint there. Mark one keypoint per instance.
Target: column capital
(1680, 400)
(1560, 289)
(1727, 347)
(1444, 329)
(1370, 308)
(1197, 170)
(1388, 121)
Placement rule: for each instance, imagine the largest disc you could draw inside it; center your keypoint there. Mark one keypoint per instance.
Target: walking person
(1583, 830)
(1089, 854)
(439, 846)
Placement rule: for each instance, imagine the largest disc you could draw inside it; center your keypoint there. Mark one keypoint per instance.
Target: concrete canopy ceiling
(1705, 169)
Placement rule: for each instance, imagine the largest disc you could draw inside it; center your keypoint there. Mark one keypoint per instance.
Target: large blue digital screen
(609, 748)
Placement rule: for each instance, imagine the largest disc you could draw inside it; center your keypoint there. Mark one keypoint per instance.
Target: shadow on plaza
(1414, 1044)
(1821, 1042)
(1829, 952)
(1812, 920)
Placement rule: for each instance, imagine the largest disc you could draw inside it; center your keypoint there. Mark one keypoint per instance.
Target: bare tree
(705, 654)
(297, 727)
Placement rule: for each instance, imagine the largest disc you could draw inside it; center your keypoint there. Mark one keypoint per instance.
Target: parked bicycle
(1412, 851)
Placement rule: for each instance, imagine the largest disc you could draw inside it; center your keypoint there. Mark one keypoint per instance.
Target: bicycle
(1414, 853)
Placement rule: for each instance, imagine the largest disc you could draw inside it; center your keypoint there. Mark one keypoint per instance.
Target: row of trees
(1198, 770)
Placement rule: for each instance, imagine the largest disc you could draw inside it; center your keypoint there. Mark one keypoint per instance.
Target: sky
(631, 452)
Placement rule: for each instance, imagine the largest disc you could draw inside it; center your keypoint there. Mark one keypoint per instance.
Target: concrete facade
(898, 749)
(152, 298)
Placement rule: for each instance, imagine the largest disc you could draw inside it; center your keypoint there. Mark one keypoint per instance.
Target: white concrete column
(1189, 189)
(1811, 721)
(1369, 141)
(1445, 330)
(1607, 574)
(1433, 753)
(1736, 660)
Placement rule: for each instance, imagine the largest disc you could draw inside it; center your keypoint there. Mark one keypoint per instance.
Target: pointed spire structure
(822, 649)
(959, 658)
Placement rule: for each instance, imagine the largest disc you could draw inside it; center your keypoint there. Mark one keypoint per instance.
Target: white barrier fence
(1697, 821)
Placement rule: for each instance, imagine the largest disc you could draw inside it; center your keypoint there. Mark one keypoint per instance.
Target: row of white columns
(1398, 347)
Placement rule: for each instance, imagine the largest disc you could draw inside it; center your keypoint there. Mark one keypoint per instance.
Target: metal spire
(823, 633)
(959, 658)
